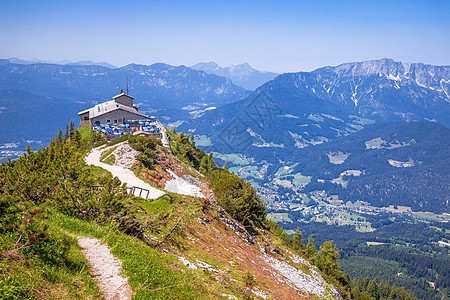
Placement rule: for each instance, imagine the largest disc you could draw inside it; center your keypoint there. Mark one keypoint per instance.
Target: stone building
(114, 111)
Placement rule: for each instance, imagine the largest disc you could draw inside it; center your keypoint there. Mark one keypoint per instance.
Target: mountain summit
(381, 89)
(243, 74)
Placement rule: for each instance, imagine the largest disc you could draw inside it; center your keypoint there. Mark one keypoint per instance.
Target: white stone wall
(125, 100)
(118, 115)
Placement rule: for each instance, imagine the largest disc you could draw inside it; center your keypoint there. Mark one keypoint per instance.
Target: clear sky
(280, 36)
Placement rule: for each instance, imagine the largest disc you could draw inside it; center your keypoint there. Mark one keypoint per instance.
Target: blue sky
(280, 36)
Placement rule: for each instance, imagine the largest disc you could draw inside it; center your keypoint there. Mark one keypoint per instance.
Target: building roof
(122, 94)
(108, 107)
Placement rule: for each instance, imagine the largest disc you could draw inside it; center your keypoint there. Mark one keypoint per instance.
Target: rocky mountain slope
(243, 75)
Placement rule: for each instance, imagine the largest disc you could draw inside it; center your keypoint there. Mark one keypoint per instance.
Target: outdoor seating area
(128, 126)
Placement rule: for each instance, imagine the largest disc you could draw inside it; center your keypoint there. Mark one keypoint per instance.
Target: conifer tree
(297, 240)
(310, 248)
(327, 258)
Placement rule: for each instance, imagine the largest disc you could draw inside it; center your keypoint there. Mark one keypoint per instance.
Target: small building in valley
(114, 111)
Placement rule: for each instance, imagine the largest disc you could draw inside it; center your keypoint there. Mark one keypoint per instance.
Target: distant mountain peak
(210, 64)
(381, 89)
(18, 61)
(242, 74)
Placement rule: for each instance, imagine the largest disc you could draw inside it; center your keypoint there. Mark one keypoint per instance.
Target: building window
(86, 118)
(115, 121)
(108, 121)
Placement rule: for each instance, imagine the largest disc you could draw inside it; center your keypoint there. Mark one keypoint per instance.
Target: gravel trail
(105, 269)
(124, 175)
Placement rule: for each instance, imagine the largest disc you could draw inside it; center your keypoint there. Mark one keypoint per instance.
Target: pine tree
(59, 136)
(71, 128)
(327, 258)
(297, 240)
(310, 248)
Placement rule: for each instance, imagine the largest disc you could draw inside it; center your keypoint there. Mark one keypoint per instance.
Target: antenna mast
(127, 85)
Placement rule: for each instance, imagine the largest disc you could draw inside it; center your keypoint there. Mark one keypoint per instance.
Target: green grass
(55, 269)
(85, 134)
(249, 171)
(276, 217)
(283, 171)
(162, 205)
(148, 269)
(203, 141)
(352, 219)
(107, 153)
(298, 178)
(100, 174)
(110, 160)
(306, 200)
(337, 158)
(429, 216)
(234, 170)
(235, 159)
(361, 121)
(374, 243)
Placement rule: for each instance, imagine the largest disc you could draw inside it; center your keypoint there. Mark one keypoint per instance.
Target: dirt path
(164, 138)
(105, 269)
(124, 175)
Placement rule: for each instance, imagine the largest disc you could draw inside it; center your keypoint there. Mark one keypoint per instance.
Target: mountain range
(160, 85)
(15, 60)
(300, 109)
(357, 153)
(294, 111)
(383, 89)
(243, 75)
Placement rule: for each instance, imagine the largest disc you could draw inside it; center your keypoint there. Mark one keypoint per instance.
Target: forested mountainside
(384, 164)
(402, 164)
(178, 246)
(29, 119)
